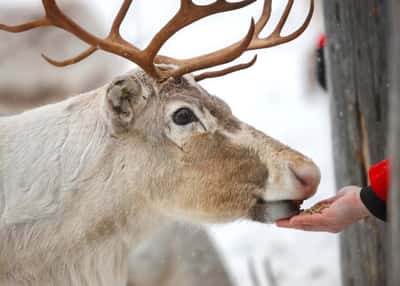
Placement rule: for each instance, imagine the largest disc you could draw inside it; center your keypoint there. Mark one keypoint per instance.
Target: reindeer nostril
(303, 181)
(306, 174)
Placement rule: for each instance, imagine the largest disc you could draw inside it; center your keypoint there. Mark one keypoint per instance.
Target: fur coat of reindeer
(85, 180)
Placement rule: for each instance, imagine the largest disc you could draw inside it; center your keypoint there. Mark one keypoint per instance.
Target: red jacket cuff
(379, 178)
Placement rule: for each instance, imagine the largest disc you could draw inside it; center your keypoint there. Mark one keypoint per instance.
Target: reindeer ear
(125, 99)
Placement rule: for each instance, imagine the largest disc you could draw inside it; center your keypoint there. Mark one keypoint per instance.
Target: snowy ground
(277, 97)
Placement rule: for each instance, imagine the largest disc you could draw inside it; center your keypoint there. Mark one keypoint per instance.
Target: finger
(283, 223)
(328, 200)
(307, 227)
(314, 219)
(331, 199)
(315, 228)
(298, 222)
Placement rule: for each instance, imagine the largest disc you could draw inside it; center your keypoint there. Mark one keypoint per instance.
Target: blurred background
(279, 95)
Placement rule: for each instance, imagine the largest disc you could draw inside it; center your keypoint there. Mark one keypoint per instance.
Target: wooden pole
(358, 85)
(394, 143)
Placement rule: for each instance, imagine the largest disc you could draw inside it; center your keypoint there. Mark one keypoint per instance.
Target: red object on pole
(379, 176)
(321, 41)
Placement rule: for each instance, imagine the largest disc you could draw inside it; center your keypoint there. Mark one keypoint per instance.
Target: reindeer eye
(184, 116)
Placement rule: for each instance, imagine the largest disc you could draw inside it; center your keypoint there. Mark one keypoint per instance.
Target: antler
(274, 39)
(147, 59)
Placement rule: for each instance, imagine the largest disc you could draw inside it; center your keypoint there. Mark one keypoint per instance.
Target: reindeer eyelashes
(184, 116)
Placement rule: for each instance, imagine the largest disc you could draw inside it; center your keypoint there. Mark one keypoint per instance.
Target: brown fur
(214, 165)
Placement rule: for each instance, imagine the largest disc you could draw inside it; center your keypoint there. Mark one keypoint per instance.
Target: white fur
(52, 158)
(281, 183)
(77, 187)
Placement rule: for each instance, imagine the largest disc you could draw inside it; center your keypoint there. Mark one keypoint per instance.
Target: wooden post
(358, 85)
(394, 143)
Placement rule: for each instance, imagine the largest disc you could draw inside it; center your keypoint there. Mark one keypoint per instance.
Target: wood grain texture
(358, 85)
(394, 143)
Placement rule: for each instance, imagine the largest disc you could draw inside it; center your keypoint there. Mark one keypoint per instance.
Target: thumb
(331, 199)
(283, 223)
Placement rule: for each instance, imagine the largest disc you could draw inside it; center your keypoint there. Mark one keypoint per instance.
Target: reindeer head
(198, 160)
(193, 156)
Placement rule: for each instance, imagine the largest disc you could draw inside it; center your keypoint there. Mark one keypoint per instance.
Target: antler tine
(88, 52)
(275, 38)
(226, 71)
(217, 58)
(114, 35)
(62, 21)
(54, 17)
(115, 28)
(27, 26)
(187, 14)
(283, 19)
(264, 18)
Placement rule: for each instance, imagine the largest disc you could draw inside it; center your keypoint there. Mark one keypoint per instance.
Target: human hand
(341, 210)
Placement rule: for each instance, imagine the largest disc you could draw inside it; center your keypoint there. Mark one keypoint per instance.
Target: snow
(277, 97)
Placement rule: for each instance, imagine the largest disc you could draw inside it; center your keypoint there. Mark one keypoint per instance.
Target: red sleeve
(321, 41)
(379, 178)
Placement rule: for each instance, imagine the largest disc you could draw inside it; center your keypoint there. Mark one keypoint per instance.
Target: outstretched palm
(341, 210)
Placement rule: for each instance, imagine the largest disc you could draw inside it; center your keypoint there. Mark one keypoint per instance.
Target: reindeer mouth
(269, 212)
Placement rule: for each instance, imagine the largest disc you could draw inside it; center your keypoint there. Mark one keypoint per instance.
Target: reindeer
(178, 254)
(85, 180)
